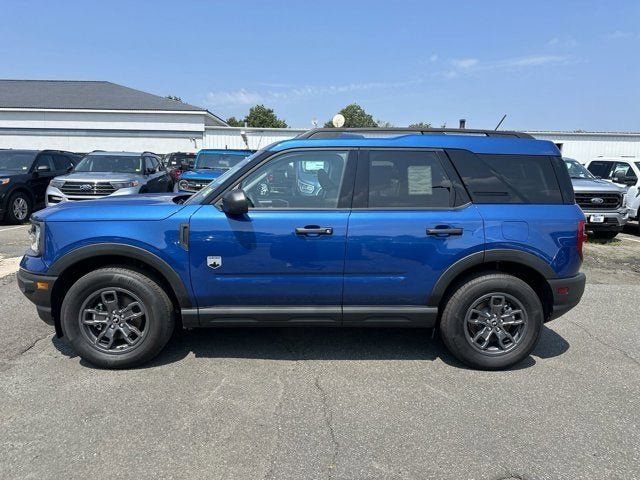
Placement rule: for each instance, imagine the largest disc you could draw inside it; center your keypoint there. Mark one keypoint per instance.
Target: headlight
(56, 183)
(119, 185)
(4, 181)
(35, 238)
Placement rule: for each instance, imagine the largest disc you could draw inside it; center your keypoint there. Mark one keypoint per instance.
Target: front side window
(62, 162)
(623, 169)
(45, 161)
(110, 163)
(406, 179)
(311, 179)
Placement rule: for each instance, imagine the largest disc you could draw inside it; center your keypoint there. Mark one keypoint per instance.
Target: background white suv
(623, 171)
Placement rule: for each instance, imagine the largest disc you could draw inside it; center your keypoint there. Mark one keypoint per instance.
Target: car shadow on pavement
(329, 344)
(316, 343)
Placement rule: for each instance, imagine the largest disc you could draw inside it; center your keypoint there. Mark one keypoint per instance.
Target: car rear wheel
(492, 322)
(19, 208)
(117, 317)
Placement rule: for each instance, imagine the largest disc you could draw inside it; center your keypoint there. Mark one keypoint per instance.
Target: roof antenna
(500, 122)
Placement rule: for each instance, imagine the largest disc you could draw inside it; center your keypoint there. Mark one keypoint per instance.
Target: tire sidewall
(159, 321)
(455, 318)
(10, 216)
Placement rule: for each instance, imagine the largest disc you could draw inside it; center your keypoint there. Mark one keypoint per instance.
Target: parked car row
(607, 191)
(31, 179)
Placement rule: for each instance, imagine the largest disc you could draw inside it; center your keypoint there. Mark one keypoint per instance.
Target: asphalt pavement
(319, 403)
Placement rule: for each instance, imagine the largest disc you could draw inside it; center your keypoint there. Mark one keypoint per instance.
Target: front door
(284, 260)
(43, 171)
(408, 225)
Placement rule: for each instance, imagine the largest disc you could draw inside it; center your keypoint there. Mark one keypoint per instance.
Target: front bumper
(54, 196)
(614, 220)
(38, 288)
(567, 293)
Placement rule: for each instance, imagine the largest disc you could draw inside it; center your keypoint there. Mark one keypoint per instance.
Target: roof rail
(338, 132)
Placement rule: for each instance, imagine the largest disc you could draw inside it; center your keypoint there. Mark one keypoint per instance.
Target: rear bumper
(567, 293)
(33, 287)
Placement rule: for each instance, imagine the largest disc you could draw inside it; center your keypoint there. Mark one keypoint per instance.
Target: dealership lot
(324, 403)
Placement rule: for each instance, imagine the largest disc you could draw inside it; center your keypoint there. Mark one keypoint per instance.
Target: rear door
(409, 223)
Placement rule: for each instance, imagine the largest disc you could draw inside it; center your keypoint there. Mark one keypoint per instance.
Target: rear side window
(520, 179)
(407, 179)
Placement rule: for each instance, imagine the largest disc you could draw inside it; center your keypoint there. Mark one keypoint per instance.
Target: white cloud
(464, 62)
(433, 58)
(248, 97)
(533, 61)
(621, 35)
(566, 41)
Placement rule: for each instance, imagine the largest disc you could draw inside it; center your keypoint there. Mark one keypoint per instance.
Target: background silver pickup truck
(603, 202)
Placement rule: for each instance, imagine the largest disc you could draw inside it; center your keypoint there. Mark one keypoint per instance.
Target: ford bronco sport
(477, 234)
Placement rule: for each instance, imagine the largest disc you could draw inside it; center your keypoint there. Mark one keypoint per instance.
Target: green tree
(355, 117)
(384, 124)
(234, 122)
(173, 97)
(263, 117)
(420, 125)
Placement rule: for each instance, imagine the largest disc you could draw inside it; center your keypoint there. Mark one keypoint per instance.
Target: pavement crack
(328, 420)
(31, 345)
(602, 342)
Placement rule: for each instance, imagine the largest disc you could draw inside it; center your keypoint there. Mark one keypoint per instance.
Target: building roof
(83, 95)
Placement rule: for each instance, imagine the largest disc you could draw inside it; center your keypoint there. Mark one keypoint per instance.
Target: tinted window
(310, 179)
(62, 162)
(407, 179)
(508, 178)
(600, 169)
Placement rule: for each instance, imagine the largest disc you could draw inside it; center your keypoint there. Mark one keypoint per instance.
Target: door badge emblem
(214, 262)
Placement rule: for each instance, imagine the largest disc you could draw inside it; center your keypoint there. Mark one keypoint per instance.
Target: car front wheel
(492, 322)
(117, 318)
(19, 208)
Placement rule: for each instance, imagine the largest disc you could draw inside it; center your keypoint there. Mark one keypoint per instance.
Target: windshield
(576, 170)
(178, 158)
(195, 199)
(218, 160)
(110, 163)
(16, 161)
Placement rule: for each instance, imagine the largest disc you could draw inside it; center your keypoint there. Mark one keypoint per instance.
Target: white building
(584, 146)
(81, 116)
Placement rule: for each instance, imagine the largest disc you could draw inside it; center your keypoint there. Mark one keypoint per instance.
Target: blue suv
(476, 233)
(209, 165)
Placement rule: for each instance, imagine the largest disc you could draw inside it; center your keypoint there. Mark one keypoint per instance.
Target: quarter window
(311, 179)
(407, 179)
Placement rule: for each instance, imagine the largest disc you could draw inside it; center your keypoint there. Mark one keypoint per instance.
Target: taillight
(582, 237)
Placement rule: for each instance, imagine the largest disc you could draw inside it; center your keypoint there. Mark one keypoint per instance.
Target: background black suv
(178, 162)
(24, 177)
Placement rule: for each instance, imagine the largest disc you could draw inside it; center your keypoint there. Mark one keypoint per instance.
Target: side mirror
(43, 168)
(235, 202)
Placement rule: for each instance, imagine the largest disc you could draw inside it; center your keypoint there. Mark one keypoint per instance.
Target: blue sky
(548, 65)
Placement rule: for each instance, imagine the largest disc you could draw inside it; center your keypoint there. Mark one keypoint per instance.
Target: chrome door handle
(314, 230)
(444, 231)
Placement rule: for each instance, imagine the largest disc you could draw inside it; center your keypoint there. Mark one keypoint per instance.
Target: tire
(605, 235)
(460, 324)
(19, 208)
(83, 320)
